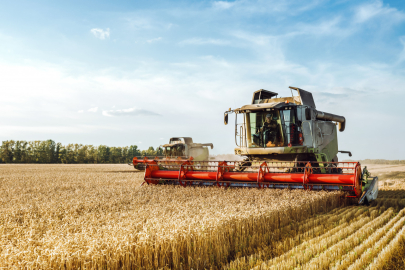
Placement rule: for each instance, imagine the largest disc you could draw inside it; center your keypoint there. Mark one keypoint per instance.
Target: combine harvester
(286, 143)
(177, 150)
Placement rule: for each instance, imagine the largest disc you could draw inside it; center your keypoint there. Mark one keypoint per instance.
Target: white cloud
(139, 23)
(128, 112)
(377, 9)
(95, 109)
(154, 40)
(204, 41)
(100, 33)
(183, 92)
(247, 8)
(25, 83)
(223, 4)
(329, 27)
(80, 111)
(402, 55)
(256, 39)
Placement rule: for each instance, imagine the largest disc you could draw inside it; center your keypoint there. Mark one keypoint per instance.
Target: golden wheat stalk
(353, 255)
(326, 258)
(371, 252)
(96, 216)
(303, 252)
(306, 231)
(388, 251)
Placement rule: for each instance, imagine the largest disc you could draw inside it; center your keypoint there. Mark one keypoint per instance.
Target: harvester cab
(287, 143)
(286, 129)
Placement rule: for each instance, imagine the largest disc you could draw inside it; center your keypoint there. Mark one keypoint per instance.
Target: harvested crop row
(397, 204)
(307, 230)
(330, 252)
(325, 259)
(353, 255)
(371, 252)
(348, 249)
(97, 216)
(393, 256)
(301, 254)
(393, 194)
(385, 255)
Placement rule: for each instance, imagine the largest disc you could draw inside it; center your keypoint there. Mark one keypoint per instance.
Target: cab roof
(266, 106)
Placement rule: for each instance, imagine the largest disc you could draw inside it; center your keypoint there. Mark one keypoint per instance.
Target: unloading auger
(286, 143)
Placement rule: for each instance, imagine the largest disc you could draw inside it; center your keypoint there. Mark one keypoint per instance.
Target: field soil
(388, 175)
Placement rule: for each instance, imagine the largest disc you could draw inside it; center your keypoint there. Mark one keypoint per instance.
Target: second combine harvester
(286, 143)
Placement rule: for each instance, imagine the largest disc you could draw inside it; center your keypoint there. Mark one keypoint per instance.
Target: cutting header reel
(344, 176)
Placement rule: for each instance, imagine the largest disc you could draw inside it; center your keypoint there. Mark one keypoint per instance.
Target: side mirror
(308, 114)
(226, 119)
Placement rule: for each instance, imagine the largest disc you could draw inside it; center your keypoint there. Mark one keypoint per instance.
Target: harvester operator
(270, 130)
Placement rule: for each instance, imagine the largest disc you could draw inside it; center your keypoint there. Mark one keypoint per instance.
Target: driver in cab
(269, 130)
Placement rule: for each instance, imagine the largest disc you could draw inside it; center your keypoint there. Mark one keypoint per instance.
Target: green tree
(7, 151)
(149, 152)
(24, 152)
(159, 151)
(36, 151)
(82, 154)
(30, 152)
(63, 157)
(70, 154)
(50, 152)
(46, 151)
(124, 155)
(133, 151)
(104, 153)
(116, 155)
(92, 154)
(18, 152)
(57, 153)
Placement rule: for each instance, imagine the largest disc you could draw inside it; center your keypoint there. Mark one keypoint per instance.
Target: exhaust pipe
(327, 117)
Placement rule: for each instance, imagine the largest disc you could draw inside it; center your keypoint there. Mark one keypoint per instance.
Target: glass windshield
(272, 128)
(175, 150)
(288, 120)
(167, 151)
(265, 129)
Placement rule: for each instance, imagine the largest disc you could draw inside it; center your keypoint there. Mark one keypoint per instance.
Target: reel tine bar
(304, 175)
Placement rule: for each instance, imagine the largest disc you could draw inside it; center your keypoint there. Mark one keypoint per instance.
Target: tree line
(50, 152)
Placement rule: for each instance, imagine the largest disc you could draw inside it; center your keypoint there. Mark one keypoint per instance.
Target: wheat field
(99, 217)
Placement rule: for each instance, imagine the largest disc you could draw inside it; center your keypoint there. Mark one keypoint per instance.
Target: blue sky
(140, 72)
